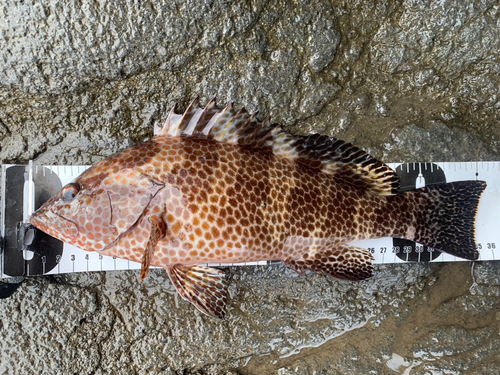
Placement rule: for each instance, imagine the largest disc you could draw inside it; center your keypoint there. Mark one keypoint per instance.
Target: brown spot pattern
(233, 204)
(227, 188)
(242, 203)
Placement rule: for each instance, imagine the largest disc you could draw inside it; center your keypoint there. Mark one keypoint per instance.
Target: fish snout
(55, 225)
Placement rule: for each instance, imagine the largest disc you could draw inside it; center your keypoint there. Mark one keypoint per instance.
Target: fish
(218, 186)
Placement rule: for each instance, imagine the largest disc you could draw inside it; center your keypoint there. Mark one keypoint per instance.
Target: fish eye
(70, 191)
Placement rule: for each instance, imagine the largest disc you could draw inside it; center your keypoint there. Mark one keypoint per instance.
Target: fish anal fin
(158, 231)
(204, 287)
(342, 262)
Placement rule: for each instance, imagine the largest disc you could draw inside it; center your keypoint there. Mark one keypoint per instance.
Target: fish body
(222, 187)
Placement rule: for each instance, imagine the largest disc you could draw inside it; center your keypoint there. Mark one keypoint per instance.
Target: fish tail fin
(444, 216)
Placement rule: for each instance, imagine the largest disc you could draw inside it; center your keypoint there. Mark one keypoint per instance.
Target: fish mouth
(37, 220)
(54, 225)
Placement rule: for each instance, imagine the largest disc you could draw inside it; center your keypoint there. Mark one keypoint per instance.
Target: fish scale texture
(226, 204)
(220, 187)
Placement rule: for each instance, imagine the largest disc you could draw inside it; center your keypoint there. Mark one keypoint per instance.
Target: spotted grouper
(216, 186)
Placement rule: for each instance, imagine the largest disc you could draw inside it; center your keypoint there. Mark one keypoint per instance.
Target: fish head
(77, 216)
(95, 210)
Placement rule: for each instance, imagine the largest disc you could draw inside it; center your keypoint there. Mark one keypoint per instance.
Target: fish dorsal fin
(328, 154)
(204, 287)
(340, 158)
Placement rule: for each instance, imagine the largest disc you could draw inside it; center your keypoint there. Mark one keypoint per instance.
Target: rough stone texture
(408, 80)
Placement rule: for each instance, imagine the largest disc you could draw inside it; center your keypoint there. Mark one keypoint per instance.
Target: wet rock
(412, 81)
(437, 143)
(114, 322)
(324, 40)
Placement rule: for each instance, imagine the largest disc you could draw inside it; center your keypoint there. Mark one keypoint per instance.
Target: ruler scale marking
(486, 233)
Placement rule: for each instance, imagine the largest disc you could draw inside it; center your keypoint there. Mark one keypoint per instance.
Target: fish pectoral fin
(342, 262)
(158, 231)
(204, 287)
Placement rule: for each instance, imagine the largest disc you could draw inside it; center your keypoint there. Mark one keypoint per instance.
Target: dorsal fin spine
(211, 123)
(192, 123)
(188, 115)
(207, 114)
(171, 123)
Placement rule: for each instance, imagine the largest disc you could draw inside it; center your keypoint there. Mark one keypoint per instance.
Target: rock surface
(409, 80)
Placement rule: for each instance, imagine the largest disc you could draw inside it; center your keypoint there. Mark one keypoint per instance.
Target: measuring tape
(26, 252)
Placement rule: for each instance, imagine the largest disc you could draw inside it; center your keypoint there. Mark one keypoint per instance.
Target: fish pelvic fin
(444, 216)
(328, 154)
(204, 287)
(342, 262)
(158, 231)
